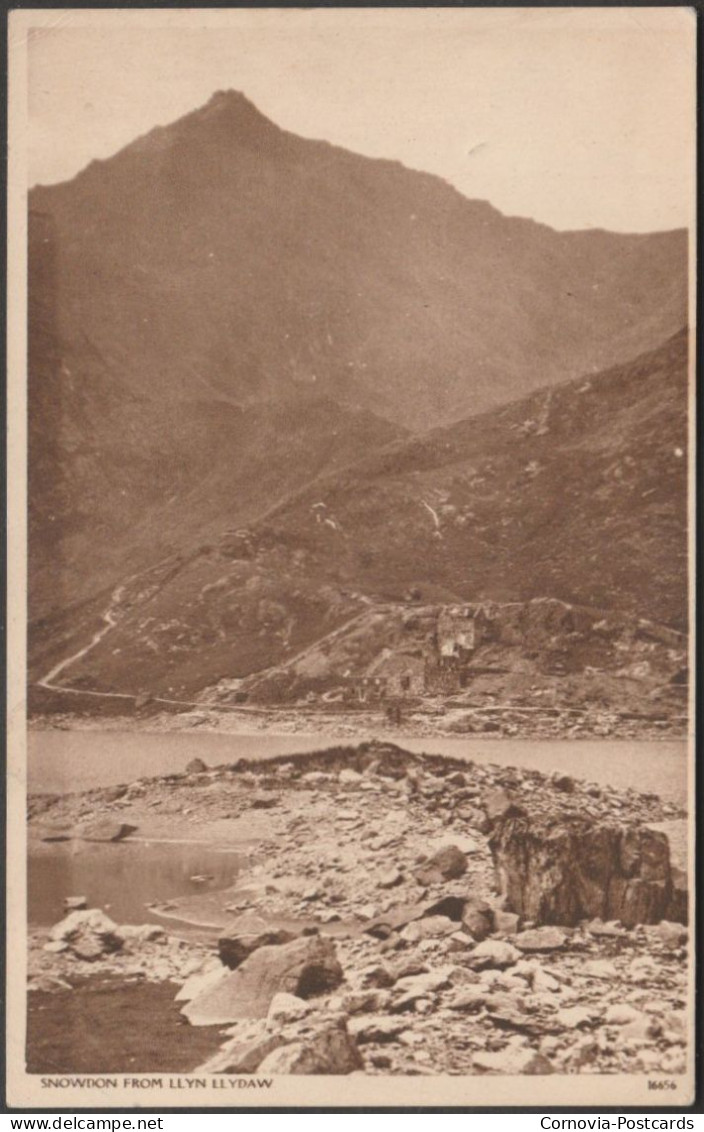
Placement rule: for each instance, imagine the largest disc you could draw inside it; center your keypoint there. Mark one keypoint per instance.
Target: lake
(123, 878)
(63, 761)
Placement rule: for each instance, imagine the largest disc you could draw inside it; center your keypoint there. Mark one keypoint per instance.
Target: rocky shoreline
(400, 914)
(434, 719)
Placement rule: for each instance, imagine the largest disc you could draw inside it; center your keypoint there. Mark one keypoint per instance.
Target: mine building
(403, 674)
(460, 629)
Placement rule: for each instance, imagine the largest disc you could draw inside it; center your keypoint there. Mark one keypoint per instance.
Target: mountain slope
(224, 257)
(577, 493)
(223, 311)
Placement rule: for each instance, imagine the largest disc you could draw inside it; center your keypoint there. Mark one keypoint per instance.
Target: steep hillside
(223, 257)
(542, 653)
(223, 310)
(577, 492)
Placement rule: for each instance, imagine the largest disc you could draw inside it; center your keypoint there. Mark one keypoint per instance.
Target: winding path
(110, 619)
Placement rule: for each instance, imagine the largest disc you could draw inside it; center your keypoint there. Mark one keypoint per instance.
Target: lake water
(123, 878)
(61, 761)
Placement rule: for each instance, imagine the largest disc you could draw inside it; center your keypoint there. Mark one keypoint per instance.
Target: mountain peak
(229, 97)
(233, 109)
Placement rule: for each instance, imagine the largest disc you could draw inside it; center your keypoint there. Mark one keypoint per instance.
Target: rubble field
(398, 914)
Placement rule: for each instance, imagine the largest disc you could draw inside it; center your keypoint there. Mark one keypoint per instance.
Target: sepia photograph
(351, 409)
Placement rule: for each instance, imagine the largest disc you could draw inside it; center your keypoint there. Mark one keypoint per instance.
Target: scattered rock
(390, 878)
(375, 975)
(114, 793)
(331, 1049)
(264, 800)
(600, 969)
(349, 777)
(196, 766)
(619, 1014)
(379, 1028)
(544, 983)
(575, 1017)
(565, 783)
(459, 941)
(478, 919)
(541, 939)
(506, 923)
(599, 928)
(105, 829)
(428, 928)
(240, 1056)
(407, 991)
(468, 1000)
(448, 863)
(672, 935)
(513, 1061)
(493, 953)
(56, 946)
(640, 1029)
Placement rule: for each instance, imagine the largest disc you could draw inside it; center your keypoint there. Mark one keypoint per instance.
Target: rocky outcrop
(563, 870)
(87, 934)
(443, 976)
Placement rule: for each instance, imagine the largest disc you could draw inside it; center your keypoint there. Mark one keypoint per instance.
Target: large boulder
(306, 967)
(563, 870)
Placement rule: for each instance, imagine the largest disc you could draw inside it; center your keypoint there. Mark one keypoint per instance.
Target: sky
(578, 118)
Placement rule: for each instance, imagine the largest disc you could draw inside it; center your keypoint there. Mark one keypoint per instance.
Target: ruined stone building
(367, 689)
(403, 674)
(436, 664)
(459, 630)
(445, 675)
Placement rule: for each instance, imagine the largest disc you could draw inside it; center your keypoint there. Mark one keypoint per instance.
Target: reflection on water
(122, 878)
(65, 761)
